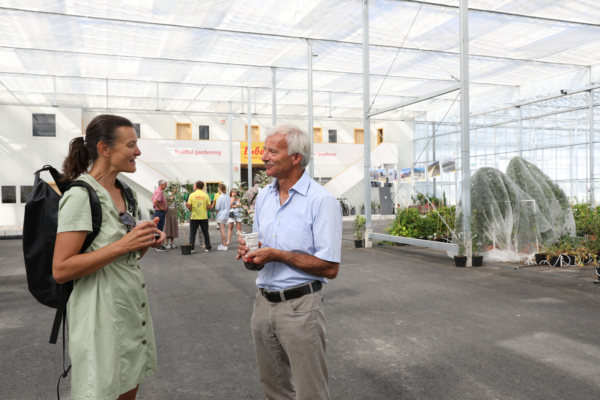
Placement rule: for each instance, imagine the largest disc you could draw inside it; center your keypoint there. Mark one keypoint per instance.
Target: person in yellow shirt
(199, 204)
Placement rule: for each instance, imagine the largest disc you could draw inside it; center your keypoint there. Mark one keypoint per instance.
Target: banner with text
(257, 152)
(187, 151)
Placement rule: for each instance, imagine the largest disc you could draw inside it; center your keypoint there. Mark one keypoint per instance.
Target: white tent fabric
(202, 53)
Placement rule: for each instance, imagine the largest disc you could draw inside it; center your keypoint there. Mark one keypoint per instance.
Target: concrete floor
(402, 323)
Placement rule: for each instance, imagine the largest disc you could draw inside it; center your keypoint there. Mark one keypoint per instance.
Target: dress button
(143, 305)
(143, 285)
(144, 323)
(144, 342)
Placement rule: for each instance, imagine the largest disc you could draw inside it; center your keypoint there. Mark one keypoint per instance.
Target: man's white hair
(162, 182)
(298, 141)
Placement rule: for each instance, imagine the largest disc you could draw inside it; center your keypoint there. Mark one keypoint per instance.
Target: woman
(171, 226)
(111, 337)
(222, 207)
(235, 211)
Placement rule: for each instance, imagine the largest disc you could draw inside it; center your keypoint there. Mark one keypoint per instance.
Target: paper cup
(251, 240)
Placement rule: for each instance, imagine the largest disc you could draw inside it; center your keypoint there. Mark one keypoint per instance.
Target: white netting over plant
(512, 218)
(549, 199)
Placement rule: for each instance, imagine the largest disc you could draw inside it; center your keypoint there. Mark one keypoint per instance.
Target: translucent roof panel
(204, 53)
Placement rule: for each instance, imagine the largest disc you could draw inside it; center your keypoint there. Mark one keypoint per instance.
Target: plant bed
(477, 261)
(186, 249)
(460, 261)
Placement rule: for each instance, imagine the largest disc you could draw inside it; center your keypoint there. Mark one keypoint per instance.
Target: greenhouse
(447, 133)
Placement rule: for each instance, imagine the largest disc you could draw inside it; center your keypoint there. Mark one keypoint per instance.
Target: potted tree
(176, 200)
(460, 260)
(359, 226)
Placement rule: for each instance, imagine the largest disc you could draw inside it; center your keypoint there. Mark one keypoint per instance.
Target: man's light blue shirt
(309, 222)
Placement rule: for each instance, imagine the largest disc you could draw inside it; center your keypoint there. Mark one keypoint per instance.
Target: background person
(199, 204)
(108, 315)
(222, 208)
(234, 215)
(160, 207)
(171, 224)
(300, 233)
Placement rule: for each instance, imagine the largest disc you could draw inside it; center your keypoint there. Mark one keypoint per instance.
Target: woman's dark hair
(84, 151)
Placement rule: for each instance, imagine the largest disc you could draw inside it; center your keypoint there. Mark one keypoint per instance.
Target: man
(300, 233)
(199, 203)
(160, 208)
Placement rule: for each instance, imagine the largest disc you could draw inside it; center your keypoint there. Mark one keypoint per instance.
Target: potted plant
(460, 260)
(362, 209)
(373, 207)
(176, 200)
(353, 210)
(359, 226)
(151, 212)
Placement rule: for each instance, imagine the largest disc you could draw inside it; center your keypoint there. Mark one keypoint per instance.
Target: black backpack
(39, 236)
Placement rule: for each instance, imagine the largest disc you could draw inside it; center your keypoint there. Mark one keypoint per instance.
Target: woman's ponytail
(78, 160)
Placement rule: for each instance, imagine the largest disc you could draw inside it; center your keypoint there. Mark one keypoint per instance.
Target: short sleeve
(74, 213)
(327, 230)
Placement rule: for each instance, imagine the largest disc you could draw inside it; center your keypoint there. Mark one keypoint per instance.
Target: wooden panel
(359, 136)
(255, 132)
(184, 131)
(318, 135)
(54, 186)
(379, 136)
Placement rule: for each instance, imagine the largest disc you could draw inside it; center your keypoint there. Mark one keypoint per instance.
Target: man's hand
(263, 255)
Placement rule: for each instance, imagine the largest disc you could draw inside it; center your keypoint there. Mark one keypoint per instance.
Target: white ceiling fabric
(202, 53)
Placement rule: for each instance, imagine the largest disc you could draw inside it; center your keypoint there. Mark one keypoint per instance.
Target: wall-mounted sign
(186, 151)
(257, 152)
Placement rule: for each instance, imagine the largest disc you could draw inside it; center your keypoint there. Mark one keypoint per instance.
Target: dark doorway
(256, 169)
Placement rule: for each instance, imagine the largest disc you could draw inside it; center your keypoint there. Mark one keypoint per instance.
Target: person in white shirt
(222, 208)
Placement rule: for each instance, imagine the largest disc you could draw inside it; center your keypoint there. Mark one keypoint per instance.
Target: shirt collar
(300, 187)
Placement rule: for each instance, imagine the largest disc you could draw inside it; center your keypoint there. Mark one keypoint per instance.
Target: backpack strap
(59, 179)
(65, 289)
(96, 209)
(128, 194)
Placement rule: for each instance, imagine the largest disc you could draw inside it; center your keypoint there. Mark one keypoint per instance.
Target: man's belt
(290, 294)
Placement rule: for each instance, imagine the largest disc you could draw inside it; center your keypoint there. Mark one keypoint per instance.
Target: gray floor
(402, 324)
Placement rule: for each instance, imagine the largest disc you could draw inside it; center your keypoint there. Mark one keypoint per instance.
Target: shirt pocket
(293, 237)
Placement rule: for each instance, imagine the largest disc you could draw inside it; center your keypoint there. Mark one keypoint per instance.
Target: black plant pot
(186, 249)
(358, 243)
(554, 262)
(598, 271)
(477, 261)
(460, 261)
(352, 212)
(539, 258)
(568, 260)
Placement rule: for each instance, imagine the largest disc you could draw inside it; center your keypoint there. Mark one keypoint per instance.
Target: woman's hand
(140, 237)
(158, 242)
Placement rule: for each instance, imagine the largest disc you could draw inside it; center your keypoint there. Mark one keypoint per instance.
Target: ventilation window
(333, 136)
(9, 194)
(203, 132)
(138, 132)
(25, 191)
(44, 125)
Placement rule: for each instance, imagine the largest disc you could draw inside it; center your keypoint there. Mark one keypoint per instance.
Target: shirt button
(144, 323)
(143, 285)
(144, 342)
(143, 305)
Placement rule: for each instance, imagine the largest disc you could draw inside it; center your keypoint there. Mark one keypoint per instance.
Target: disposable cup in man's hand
(251, 241)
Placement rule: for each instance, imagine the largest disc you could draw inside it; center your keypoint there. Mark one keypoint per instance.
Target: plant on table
(175, 196)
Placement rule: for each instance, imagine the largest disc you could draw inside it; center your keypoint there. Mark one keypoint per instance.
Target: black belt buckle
(291, 294)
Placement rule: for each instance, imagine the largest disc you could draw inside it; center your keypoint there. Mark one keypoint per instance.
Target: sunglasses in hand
(130, 222)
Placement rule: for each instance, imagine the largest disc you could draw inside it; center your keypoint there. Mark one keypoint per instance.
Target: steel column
(249, 133)
(230, 145)
(157, 102)
(329, 104)
(106, 92)
(366, 118)
(520, 131)
(311, 168)
(591, 144)
(274, 87)
(54, 101)
(464, 119)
